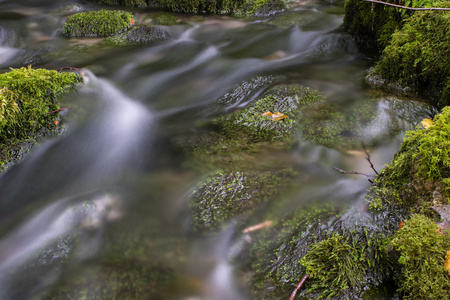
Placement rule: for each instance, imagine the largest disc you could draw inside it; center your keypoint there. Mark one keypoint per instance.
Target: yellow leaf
(267, 113)
(427, 123)
(278, 116)
(447, 262)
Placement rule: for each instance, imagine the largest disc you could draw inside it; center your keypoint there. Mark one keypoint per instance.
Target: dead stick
(353, 173)
(406, 7)
(368, 159)
(299, 285)
(55, 111)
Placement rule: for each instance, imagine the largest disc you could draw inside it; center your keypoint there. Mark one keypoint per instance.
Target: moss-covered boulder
(100, 23)
(422, 248)
(417, 55)
(413, 46)
(27, 97)
(138, 35)
(236, 7)
(418, 176)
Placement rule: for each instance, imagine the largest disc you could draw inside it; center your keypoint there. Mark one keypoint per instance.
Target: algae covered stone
(139, 35)
(98, 23)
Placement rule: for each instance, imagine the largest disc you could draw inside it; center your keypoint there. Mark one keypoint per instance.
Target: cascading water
(80, 198)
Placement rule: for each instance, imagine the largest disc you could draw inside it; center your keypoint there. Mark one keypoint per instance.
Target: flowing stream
(115, 173)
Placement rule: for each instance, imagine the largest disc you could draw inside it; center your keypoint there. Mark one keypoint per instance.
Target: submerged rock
(139, 35)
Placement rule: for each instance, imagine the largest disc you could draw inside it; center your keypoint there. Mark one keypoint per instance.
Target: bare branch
(368, 159)
(406, 7)
(58, 110)
(353, 173)
(299, 285)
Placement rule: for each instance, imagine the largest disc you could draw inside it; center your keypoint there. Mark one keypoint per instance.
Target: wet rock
(139, 35)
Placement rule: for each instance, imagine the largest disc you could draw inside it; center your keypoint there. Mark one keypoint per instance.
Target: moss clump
(98, 23)
(417, 56)
(138, 35)
(339, 265)
(27, 95)
(419, 173)
(237, 7)
(225, 196)
(373, 24)
(422, 251)
(261, 8)
(166, 20)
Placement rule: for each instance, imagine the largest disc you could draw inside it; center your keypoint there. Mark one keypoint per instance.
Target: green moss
(417, 55)
(419, 172)
(166, 20)
(97, 23)
(261, 8)
(27, 95)
(225, 196)
(373, 24)
(337, 264)
(138, 35)
(422, 253)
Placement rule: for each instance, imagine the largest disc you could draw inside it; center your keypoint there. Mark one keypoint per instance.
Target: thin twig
(353, 173)
(299, 285)
(257, 227)
(58, 110)
(368, 159)
(406, 7)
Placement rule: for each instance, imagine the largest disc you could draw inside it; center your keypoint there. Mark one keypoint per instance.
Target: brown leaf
(278, 116)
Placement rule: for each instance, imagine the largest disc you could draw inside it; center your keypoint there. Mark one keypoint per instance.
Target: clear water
(114, 182)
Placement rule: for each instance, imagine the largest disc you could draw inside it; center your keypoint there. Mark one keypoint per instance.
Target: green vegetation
(420, 171)
(98, 23)
(138, 35)
(417, 55)
(226, 196)
(237, 7)
(413, 45)
(422, 249)
(26, 96)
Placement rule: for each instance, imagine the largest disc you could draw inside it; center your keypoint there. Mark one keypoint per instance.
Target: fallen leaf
(427, 123)
(400, 225)
(56, 122)
(447, 262)
(267, 113)
(131, 22)
(278, 116)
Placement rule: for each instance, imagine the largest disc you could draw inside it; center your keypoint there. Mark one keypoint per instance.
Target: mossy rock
(418, 176)
(422, 250)
(236, 7)
(373, 24)
(227, 196)
(417, 56)
(261, 8)
(138, 35)
(100, 23)
(27, 97)
(165, 20)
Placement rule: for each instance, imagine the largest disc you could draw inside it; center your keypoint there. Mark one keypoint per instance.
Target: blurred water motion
(113, 185)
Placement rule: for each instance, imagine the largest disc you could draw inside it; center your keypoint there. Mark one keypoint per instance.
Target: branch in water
(353, 173)
(368, 159)
(406, 7)
(297, 288)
